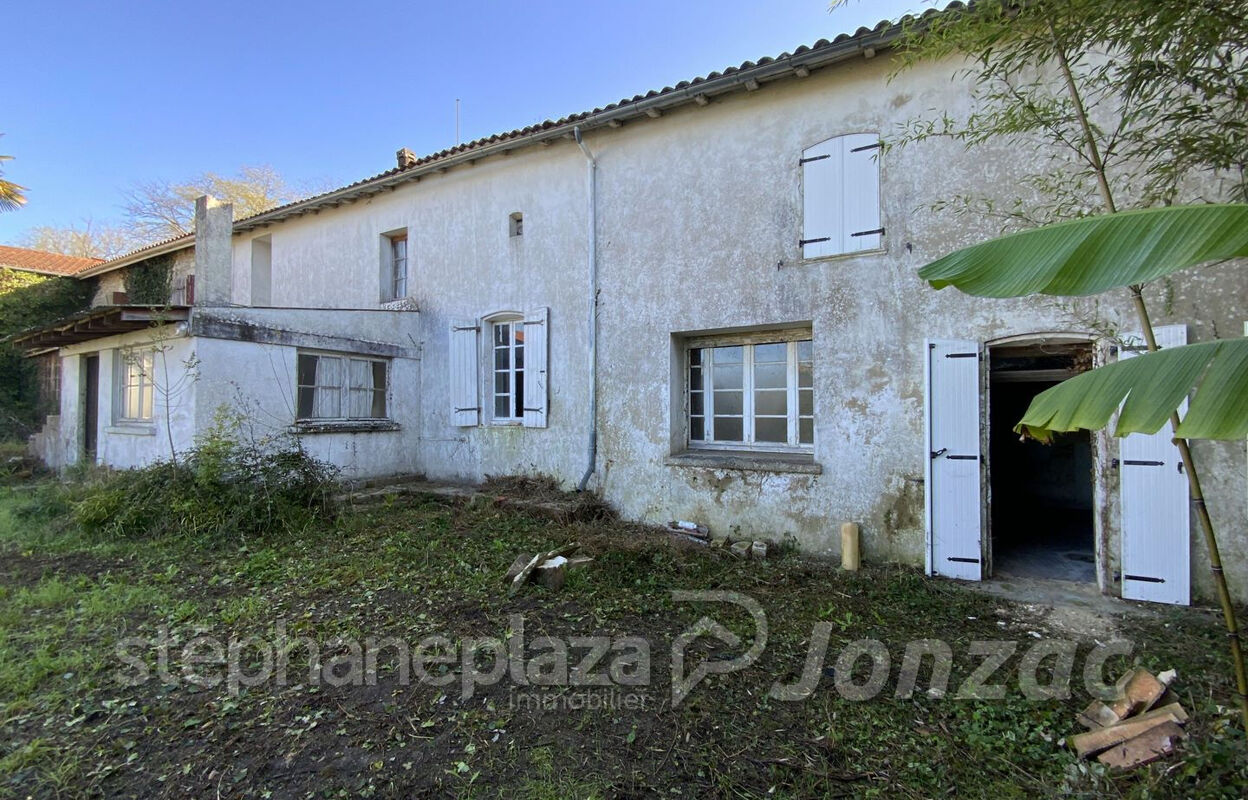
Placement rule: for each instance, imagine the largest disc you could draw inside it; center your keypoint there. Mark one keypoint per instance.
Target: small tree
(1138, 100)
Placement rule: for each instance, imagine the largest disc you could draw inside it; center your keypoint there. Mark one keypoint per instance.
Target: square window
(340, 387)
(757, 395)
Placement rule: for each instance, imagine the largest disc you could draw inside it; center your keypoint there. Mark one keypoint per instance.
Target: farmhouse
(702, 303)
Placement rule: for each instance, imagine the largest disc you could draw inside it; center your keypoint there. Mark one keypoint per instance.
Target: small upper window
(136, 391)
(515, 224)
(841, 196)
(340, 387)
(396, 261)
(752, 396)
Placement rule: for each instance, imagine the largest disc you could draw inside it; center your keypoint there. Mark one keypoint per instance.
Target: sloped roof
(44, 262)
(747, 76)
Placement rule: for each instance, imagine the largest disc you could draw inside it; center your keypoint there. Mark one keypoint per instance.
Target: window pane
(696, 430)
(518, 328)
(379, 404)
(501, 404)
(728, 430)
(329, 371)
(502, 358)
(328, 402)
(778, 351)
(502, 382)
(806, 431)
(519, 394)
(695, 357)
(771, 430)
(728, 403)
(770, 376)
(695, 378)
(519, 356)
(805, 350)
(773, 403)
(502, 336)
(696, 401)
(806, 402)
(361, 404)
(361, 374)
(304, 407)
(727, 376)
(131, 406)
(379, 376)
(729, 355)
(805, 376)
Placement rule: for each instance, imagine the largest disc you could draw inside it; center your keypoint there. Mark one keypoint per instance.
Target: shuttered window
(841, 196)
(516, 357)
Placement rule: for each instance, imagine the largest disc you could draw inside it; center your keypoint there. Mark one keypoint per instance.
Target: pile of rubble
(702, 535)
(546, 569)
(1143, 722)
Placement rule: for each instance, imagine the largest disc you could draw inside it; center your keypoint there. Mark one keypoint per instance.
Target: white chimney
(214, 227)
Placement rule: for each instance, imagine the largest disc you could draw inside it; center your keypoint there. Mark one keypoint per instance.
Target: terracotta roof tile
(43, 262)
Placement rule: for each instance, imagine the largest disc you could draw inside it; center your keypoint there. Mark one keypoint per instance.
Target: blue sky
(99, 95)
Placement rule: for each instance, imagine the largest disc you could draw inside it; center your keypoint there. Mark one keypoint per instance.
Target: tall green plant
(1136, 99)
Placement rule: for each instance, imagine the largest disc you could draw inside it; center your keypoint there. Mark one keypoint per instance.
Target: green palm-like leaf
(1095, 254)
(1154, 385)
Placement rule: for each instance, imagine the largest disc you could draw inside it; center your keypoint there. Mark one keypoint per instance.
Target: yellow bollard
(849, 546)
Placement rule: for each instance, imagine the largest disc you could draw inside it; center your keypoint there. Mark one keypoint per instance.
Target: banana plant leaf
(1153, 385)
(1094, 254)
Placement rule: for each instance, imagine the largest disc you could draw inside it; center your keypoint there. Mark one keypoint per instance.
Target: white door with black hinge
(1156, 533)
(954, 493)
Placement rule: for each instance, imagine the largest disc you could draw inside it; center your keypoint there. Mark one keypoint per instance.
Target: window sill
(131, 429)
(344, 426)
(879, 251)
(746, 460)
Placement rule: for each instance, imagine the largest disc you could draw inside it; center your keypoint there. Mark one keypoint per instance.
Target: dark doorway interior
(1042, 510)
(90, 404)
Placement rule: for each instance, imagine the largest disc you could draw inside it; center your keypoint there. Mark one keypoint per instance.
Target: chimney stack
(406, 158)
(214, 226)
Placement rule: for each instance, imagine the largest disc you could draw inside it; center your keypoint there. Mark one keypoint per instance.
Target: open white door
(1156, 534)
(954, 501)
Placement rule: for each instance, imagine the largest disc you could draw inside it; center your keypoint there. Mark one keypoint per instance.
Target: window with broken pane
(339, 387)
(757, 395)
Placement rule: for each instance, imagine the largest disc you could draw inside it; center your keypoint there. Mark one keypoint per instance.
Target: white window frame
(136, 369)
(515, 398)
(344, 388)
(397, 264)
(793, 414)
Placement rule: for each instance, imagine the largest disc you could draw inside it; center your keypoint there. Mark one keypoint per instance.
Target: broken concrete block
(517, 567)
(758, 550)
(720, 541)
(553, 573)
(1147, 747)
(741, 548)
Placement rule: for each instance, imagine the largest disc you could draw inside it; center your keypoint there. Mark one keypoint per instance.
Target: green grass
(414, 568)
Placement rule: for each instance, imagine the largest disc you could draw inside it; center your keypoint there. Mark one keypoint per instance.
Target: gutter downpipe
(592, 185)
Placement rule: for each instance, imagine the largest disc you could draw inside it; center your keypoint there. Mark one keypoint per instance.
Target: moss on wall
(28, 300)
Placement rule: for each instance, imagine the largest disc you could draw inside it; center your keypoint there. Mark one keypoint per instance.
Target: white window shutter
(862, 230)
(822, 231)
(465, 407)
(536, 352)
(954, 496)
(1156, 528)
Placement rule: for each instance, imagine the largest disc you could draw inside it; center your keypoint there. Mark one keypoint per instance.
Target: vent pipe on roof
(406, 158)
(591, 182)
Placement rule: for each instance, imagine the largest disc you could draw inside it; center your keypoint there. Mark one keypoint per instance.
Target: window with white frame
(136, 392)
(756, 394)
(396, 265)
(507, 384)
(513, 374)
(341, 387)
(841, 196)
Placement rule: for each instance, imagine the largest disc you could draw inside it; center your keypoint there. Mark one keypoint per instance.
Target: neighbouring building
(701, 302)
